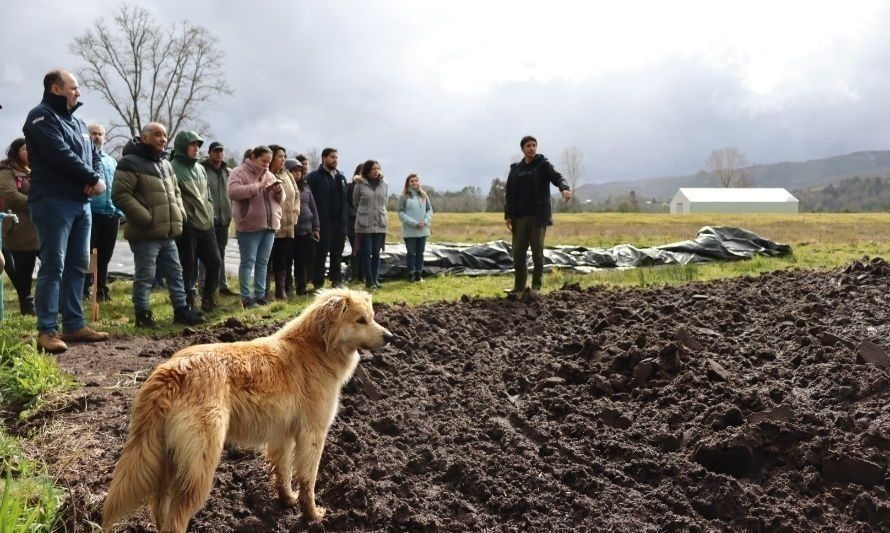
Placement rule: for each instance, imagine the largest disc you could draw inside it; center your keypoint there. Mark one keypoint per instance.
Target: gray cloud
(354, 76)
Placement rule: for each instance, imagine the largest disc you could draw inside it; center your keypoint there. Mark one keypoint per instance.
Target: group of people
(71, 196)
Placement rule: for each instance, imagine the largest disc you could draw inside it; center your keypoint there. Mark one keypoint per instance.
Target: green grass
(27, 376)
(30, 501)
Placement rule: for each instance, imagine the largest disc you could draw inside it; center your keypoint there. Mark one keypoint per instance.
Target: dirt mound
(754, 403)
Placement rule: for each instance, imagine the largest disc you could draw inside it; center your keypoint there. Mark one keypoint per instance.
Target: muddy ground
(755, 403)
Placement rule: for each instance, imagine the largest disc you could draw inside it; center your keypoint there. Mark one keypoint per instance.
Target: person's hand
(566, 195)
(275, 187)
(316, 235)
(510, 224)
(421, 224)
(267, 181)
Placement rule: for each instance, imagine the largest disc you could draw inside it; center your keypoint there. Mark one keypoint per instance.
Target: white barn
(733, 200)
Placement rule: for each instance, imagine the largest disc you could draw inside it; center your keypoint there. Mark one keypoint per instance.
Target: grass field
(818, 240)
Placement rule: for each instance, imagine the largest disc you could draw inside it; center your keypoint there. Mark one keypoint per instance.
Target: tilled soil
(755, 403)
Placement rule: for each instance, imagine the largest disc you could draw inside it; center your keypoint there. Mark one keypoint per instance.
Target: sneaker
(260, 301)
(50, 342)
(146, 320)
(248, 303)
(185, 315)
(84, 334)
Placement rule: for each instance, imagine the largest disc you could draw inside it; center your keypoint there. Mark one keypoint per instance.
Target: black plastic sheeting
(711, 244)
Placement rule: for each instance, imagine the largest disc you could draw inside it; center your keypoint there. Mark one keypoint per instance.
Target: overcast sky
(447, 89)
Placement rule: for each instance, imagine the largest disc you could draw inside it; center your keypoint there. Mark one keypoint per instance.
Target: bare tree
(573, 165)
(151, 73)
(729, 166)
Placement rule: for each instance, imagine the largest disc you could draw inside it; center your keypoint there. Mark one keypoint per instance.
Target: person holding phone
(256, 207)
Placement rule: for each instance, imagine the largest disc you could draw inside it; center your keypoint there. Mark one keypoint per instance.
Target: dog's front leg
(280, 454)
(306, 459)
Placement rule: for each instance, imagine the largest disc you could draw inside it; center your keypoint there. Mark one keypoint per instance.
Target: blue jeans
(63, 227)
(158, 256)
(254, 247)
(415, 247)
(369, 250)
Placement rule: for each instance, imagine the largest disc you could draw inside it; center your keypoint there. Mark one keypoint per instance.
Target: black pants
(526, 231)
(195, 244)
(20, 269)
(103, 237)
(280, 260)
(222, 239)
(333, 236)
(304, 255)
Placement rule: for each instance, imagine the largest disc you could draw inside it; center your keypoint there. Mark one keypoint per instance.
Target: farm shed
(733, 200)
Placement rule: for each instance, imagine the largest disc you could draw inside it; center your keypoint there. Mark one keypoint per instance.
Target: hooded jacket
(254, 209)
(528, 190)
(369, 198)
(218, 183)
(192, 180)
(63, 159)
(145, 189)
(15, 183)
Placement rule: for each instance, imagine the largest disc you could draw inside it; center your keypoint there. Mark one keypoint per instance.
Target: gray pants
(526, 231)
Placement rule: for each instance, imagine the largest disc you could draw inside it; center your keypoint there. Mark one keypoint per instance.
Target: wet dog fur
(279, 392)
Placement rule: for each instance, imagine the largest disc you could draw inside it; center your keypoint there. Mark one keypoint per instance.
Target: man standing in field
(527, 210)
(328, 187)
(66, 170)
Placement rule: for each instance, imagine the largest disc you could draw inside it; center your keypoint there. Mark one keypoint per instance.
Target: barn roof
(737, 195)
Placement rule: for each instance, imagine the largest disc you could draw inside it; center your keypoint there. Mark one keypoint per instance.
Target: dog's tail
(142, 463)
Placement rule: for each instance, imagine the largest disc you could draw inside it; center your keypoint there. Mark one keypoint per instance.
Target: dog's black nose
(388, 337)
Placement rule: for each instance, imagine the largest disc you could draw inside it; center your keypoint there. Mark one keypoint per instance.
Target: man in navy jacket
(65, 171)
(328, 187)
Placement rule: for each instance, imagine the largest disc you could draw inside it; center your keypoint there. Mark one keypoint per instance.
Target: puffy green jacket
(145, 190)
(192, 179)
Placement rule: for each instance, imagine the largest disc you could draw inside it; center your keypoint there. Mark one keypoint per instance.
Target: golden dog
(279, 392)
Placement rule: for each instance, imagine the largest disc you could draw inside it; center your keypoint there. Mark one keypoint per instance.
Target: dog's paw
(290, 497)
(315, 514)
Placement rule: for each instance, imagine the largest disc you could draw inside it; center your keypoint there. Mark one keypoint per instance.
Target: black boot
(103, 295)
(191, 299)
(186, 315)
(146, 320)
(26, 306)
(208, 303)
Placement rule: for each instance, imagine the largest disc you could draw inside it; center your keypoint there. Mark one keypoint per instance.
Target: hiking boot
(260, 301)
(248, 303)
(146, 320)
(187, 316)
(208, 304)
(50, 342)
(84, 334)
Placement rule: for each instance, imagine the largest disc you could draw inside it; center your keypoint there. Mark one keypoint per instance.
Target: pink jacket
(253, 209)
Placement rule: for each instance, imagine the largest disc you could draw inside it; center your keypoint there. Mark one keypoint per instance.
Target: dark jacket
(192, 180)
(528, 190)
(145, 189)
(218, 183)
(321, 183)
(15, 182)
(63, 159)
(307, 221)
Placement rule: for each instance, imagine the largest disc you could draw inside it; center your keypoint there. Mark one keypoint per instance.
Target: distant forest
(852, 195)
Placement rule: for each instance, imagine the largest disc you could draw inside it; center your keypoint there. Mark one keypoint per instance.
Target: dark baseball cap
(216, 145)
